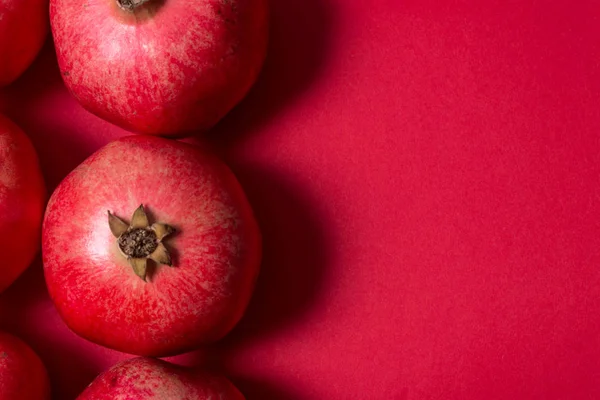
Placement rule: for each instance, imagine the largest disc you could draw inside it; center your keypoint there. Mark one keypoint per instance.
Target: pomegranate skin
(216, 249)
(22, 374)
(23, 30)
(152, 379)
(22, 201)
(167, 68)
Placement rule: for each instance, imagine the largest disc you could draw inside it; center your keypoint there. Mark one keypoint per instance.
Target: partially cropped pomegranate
(22, 200)
(23, 29)
(150, 247)
(22, 374)
(160, 67)
(151, 379)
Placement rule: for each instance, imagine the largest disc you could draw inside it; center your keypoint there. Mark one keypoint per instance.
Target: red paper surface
(426, 175)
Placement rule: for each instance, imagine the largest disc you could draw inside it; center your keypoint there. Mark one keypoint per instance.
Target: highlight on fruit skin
(150, 247)
(168, 68)
(23, 376)
(151, 379)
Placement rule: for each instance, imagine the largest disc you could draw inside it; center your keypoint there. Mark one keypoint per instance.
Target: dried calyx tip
(131, 5)
(140, 241)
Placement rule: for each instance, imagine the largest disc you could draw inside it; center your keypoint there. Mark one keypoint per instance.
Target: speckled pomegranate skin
(22, 201)
(22, 374)
(216, 248)
(168, 68)
(151, 379)
(23, 29)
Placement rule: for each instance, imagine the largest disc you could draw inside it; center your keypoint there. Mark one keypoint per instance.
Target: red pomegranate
(150, 247)
(160, 67)
(22, 200)
(22, 374)
(23, 29)
(151, 379)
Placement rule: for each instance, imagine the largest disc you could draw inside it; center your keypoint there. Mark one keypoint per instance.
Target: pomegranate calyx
(131, 5)
(140, 241)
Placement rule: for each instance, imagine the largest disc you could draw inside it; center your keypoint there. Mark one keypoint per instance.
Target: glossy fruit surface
(160, 67)
(151, 379)
(156, 279)
(22, 200)
(23, 29)
(22, 374)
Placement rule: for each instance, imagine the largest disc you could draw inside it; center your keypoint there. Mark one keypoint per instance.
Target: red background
(426, 175)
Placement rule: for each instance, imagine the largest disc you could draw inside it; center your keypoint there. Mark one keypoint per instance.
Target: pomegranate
(22, 200)
(147, 378)
(22, 374)
(150, 247)
(160, 67)
(23, 29)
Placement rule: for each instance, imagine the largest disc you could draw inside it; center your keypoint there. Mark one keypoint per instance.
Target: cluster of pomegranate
(150, 246)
